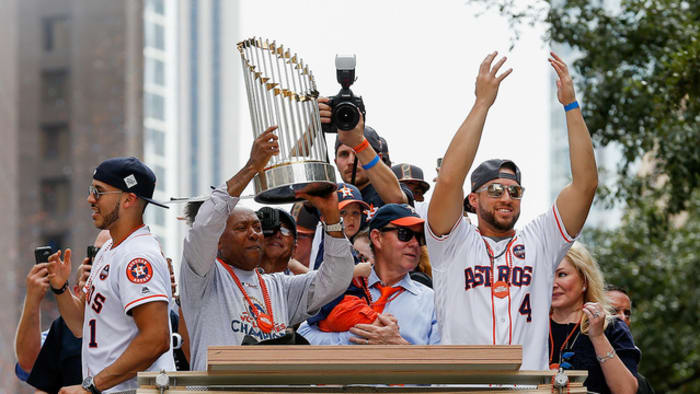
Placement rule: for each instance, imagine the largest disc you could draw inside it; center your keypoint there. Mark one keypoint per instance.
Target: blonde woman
(584, 335)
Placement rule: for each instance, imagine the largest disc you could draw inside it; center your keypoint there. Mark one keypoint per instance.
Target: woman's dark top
(584, 357)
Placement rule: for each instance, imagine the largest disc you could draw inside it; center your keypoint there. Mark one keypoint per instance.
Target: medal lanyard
(561, 349)
(263, 288)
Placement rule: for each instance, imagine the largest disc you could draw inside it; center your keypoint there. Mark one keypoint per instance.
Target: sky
(416, 66)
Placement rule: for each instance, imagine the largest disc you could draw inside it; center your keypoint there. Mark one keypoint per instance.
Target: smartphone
(439, 162)
(92, 252)
(41, 254)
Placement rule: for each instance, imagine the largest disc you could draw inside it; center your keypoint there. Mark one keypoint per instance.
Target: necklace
(563, 345)
(265, 321)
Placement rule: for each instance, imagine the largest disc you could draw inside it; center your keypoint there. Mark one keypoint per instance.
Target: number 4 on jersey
(525, 308)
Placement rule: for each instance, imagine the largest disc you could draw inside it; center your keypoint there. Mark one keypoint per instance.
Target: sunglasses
(96, 194)
(405, 234)
(496, 190)
(282, 230)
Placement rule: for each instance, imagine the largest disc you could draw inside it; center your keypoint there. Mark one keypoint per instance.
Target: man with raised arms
(493, 284)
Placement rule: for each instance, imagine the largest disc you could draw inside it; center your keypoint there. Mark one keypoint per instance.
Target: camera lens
(346, 116)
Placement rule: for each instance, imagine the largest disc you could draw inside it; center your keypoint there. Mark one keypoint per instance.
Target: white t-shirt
(470, 314)
(132, 273)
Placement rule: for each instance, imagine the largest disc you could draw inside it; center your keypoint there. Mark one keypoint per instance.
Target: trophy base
(277, 185)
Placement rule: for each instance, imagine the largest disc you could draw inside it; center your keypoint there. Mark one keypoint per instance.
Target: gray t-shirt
(215, 310)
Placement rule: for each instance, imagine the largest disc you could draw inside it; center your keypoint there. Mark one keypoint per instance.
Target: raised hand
(37, 282)
(59, 270)
(326, 204)
(264, 147)
(565, 85)
(487, 82)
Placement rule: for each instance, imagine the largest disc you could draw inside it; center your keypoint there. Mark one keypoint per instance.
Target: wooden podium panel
(361, 368)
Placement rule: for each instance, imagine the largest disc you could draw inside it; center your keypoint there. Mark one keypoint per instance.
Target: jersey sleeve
(143, 278)
(444, 249)
(554, 241)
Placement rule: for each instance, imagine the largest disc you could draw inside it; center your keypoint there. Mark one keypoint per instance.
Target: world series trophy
(282, 91)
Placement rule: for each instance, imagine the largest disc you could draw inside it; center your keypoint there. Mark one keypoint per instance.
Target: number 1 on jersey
(525, 308)
(93, 333)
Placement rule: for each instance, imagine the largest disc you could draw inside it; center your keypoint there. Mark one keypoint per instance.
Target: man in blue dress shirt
(406, 308)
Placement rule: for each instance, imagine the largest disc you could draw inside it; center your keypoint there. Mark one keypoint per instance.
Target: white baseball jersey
(123, 277)
(517, 311)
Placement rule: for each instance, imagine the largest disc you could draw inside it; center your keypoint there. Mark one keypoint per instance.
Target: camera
(269, 220)
(345, 105)
(41, 254)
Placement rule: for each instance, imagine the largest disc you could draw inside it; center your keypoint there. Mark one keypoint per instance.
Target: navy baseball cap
(130, 175)
(409, 172)
(402, 215)
(348, 194)
(488, 171)
(378, 144)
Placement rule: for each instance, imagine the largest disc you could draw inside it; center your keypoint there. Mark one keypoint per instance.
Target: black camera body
(41, 254)
(345, 106)
(269, 220)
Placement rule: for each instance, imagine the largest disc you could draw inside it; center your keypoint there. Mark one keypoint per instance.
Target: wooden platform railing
(361, 369)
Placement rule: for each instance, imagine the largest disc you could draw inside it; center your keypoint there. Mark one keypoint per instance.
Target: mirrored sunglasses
(496, 190)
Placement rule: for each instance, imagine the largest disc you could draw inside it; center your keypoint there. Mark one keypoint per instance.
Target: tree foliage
(638, 77)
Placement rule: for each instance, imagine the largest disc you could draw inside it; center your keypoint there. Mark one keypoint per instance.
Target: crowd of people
(371, 263)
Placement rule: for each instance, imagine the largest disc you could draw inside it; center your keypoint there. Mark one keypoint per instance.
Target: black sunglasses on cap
(496, 190)
(406, 234)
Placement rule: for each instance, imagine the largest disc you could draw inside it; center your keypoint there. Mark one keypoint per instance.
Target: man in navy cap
(123, 315)
(400, 310)
(495, 283)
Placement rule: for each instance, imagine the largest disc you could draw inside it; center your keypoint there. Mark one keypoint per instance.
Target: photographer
(280, 231)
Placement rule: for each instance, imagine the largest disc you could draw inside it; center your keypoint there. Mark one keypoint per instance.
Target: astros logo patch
(519, 251)
(139, 270)
(104, 273)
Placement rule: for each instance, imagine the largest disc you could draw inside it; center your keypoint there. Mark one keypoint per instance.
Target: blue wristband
(569, 107)
(371, 163)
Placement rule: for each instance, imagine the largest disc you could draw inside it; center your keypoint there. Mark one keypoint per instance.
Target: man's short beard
(489, 218)
(110, 218)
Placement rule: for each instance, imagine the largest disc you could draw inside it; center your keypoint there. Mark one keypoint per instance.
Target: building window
(154, 106)
(159, 216)
(155, 141)
(155, 71)
(155, 36)
(56, 33)
(55, 142)
(155, 6)
(160, 177)
(55, 196)
(54, 87)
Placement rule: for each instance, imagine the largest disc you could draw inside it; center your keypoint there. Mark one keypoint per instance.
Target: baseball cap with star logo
(348, 194)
